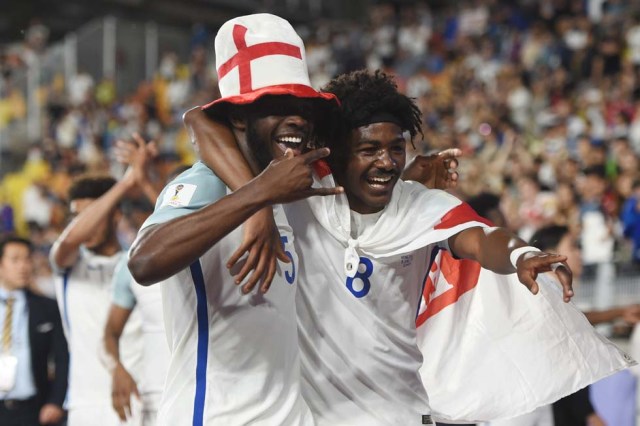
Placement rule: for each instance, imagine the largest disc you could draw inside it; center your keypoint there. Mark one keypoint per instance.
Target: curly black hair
(364, 94)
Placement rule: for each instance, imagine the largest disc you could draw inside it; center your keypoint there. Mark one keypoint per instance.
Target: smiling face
(277, 123)
(374, 161)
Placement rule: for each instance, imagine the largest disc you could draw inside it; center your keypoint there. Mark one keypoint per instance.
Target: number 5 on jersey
(290, 277)
(360, 285)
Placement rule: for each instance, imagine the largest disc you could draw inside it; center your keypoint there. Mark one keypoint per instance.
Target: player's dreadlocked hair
(365, 95)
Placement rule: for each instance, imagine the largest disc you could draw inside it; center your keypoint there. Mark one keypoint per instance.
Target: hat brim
(219, 106)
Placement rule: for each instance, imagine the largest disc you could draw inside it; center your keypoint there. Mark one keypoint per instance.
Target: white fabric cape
(491, 349)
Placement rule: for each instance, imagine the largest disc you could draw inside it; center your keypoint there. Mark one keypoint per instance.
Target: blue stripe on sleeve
(65, 285)
(203, 343)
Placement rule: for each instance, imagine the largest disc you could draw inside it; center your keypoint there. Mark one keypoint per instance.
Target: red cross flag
(493, 350)
(259, 55)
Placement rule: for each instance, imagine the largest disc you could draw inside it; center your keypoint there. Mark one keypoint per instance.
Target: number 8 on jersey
(359, 285)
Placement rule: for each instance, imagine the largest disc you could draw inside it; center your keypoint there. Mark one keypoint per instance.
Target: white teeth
(290, 139)
(380, 180)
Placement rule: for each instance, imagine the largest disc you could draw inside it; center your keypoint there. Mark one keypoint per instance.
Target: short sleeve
(192, 190)
(122, 281)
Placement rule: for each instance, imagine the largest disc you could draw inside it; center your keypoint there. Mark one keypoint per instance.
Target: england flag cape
(492, 350)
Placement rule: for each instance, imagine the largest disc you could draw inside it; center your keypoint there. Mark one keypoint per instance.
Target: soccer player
(234, 357)
(84, 257)
(364, 257)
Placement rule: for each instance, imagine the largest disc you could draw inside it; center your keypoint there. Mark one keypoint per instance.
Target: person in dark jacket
(31, 340)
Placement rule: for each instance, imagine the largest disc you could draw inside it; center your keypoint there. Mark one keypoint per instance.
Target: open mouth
(290, 142)
(381, 182)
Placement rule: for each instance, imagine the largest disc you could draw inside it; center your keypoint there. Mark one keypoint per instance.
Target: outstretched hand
(532, 263)
(289, 178)
(435, 171)
(262, 241)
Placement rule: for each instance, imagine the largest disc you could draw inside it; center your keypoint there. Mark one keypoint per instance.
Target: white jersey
(359, 297)
(234, 357)
(147, 302)
(360, 359)
(83, 293)
(156, 350)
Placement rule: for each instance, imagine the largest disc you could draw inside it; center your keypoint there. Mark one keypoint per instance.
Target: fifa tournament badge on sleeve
(8, 367)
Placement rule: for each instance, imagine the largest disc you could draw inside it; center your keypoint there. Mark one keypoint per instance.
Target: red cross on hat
(259, 55)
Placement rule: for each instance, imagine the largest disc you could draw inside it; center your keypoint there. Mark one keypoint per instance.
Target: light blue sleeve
(192, 190)
(121, 285)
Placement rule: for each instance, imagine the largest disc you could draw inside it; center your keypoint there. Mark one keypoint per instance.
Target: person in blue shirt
(631, 221)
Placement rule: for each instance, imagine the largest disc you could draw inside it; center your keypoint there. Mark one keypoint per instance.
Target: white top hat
(259, 55)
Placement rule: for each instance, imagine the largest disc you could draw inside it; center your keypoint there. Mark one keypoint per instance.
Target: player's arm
(162, 250)
(493, 248)
(219, 151)
(123, 386)
(629, 314)
(64, 252)
(123, 301)
(217, 146)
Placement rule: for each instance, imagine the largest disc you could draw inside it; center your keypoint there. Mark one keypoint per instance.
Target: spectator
(631, 221)
(32, 338)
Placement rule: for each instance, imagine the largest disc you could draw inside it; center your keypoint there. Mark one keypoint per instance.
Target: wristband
(516, 253)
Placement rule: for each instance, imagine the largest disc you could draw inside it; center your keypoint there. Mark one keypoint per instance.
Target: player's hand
(631, 314)
(262, 241)
(50, 414)
(532, 263)
(123, 388)
(436, 171)
(137, 154)
(289, 178)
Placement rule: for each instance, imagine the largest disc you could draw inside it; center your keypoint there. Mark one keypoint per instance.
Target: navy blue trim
(203, 343)
(65, 285)
(434, 253)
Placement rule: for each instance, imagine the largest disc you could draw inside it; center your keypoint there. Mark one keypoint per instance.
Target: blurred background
(542, 96)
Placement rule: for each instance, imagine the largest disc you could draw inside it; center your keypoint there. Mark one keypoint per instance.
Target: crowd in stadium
(542, 97)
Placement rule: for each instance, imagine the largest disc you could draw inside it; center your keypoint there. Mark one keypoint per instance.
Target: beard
(259, 148)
